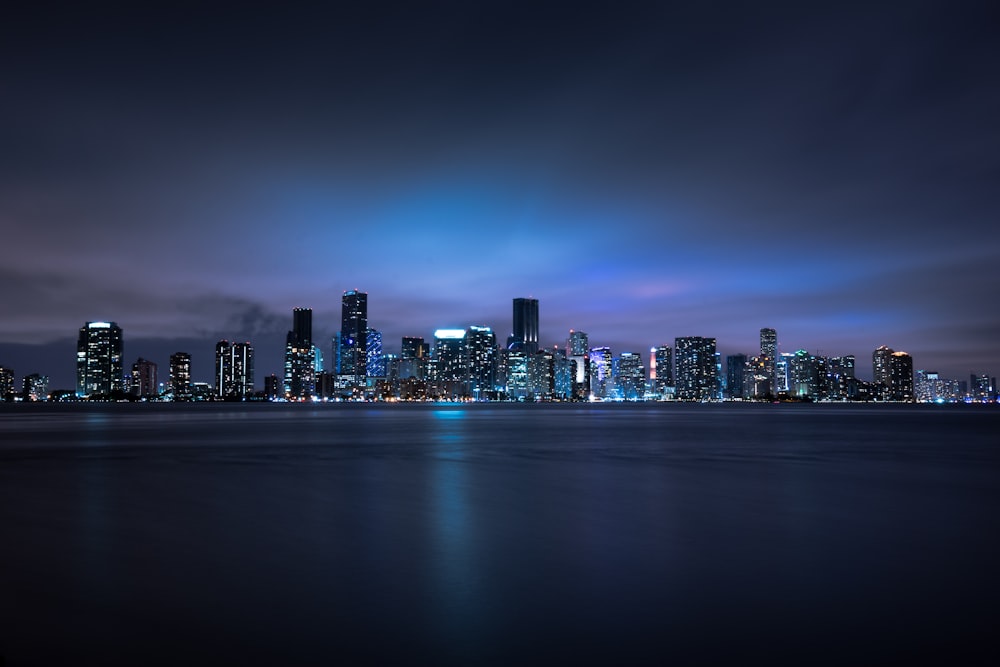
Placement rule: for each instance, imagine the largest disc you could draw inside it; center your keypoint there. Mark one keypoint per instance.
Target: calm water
(283, 535)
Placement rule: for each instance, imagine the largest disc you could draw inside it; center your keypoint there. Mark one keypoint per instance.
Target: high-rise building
(664, 356)
(601, 380)
(578, 356)
(881, 369)
(892, 374)
(736, 365)
(451, 355)
(413, 359)
(36, 387)
(354, 338)
(234, 375)
(525, 334)
(144, 383)
(6, 384)
(375, 363)
(180, 376)
(300, 365)
(631, 380)
(542, 375)
(769, 355)
(99, 359)
(482, 350)
(695, 368)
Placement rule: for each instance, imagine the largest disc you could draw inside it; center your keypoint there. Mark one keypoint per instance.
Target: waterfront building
(6, 384)
(144, 384)
(578, 355)
(736, 366)
(769, 356)
(354, 339)
(300, 366)
(374, 362)
(518, 380)
(180, 376)
(273, 387)
(525, 334)
(99, 360)
(601, 380)
(541, 375)
(36, 387)
(696, 370)
(892, 374)
(234, 370)
(630, 381)
(663, 355)
(482, 351)
(841, 381)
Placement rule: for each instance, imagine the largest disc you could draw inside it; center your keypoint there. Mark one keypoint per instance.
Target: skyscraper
(578, 355)
(99, 359)
(696, 370)
(300, 366)
(143, 378)
(601, 382)
(6, 384)
(769, 356)
(375, 363)
(482, 347)
(631, 380)
(233, 370)
(180, 376)
(736, 365)
(664, 356)
(354, 337)
(525, 335)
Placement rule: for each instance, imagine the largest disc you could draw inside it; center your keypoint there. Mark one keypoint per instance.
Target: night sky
(646, 171)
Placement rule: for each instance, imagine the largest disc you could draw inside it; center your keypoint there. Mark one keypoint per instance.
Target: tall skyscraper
(696, 368)
(180, 376)
(144, 383)
(631, 380)
(99, 359)
(525, 335)
(234, 377)
(482, 346)
(413, 359)
(6, 384)
(300, 366)
(601, 382)
(578, 356)
(736, 365)
(769, 355)
(664, 356)
(354, 337)
(375, 363)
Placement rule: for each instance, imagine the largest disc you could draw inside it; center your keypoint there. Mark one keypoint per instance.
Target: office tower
(450, 355)
(317, 359)
(664, 356)
(482, 350)
(736, 366)
(413, 347)
(601, 381)
(564, 374)
(6, 384)
(180, 376)
(413, 359)
(525, 335)
(144, 384)
(234, 374)
(757, 382)
(881, 370)
(769, 355)
(300, 365)
(375, 363)
(578, 356)
(901, 377)
(695, 365)
(541, 375)
(518, 378)
(354, 338)
(782, 370)
(841, 382)
(631, 380)
(99, 359)
(981, 387)
(36, 387)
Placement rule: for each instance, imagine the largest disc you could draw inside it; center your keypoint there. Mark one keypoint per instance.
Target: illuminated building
(413, 358)
(769, 356)
(578, 355)
(631, 379)
(99, 359)
(375, 363)
(982, 387)
(354, 338)
(841, 382)
(525, 335)
(300, 366)
(601, 381)
(450, 355)
(180, 376)
(36, 387)
(564, 373)
(273, 387)
(663, 355)
(696, 370)
(234, 377)
(881, 365)
(892, 374)
(6, 384)
(144, 383)
(518, 380)
(541, 375)
(482, 351)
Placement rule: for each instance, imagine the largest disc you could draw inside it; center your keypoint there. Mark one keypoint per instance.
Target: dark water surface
(499, 534)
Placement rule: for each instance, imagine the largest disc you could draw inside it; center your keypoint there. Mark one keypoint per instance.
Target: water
(498, 534)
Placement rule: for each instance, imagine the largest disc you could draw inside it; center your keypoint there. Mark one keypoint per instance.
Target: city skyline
(646, 173)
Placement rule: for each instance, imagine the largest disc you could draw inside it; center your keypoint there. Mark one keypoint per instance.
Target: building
(375, 362)
(631, 378)
(525, 334)
(273, 387)
(300, 365)
(482, 351)
(6, 384)
(696, 373)
(892, 375)
(234, 374)
(769, 357)
(413, 358)
(601, 380)
(144, 380)
(99, 360)
(736, 366)
(36, 387)
(354, 338)
(180, 376)
(578, 356)
(663, 355)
